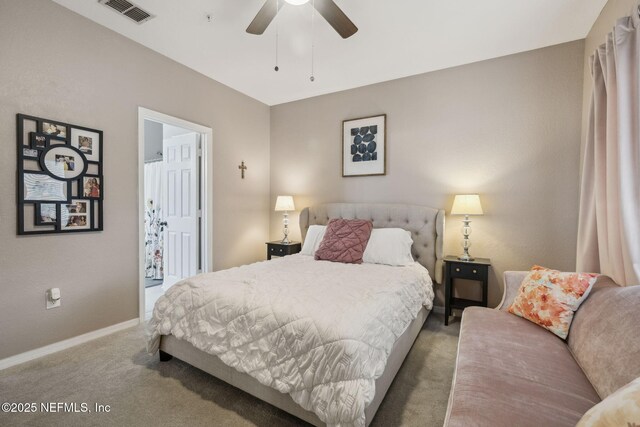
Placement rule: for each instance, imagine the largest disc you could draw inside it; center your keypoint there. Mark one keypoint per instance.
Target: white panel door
(180, 158)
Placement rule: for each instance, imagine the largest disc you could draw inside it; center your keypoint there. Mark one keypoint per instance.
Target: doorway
(174, 203)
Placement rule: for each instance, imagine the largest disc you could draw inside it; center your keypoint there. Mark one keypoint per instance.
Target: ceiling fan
(327, 8)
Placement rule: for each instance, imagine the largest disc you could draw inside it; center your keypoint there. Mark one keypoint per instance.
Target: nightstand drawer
(282, 249)
(471, 272)
(276, 250)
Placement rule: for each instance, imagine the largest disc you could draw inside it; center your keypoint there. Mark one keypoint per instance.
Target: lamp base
(285, 221)
(466, 231)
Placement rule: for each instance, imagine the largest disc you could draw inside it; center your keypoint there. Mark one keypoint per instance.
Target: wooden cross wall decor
(242, 168)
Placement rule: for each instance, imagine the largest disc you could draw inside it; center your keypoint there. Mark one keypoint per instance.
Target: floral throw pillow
(549, 298)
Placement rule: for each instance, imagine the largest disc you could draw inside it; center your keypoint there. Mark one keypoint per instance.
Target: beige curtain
(609, 225)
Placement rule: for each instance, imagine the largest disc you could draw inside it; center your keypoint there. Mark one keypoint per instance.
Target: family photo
(47, 213)
(54, 129)
(85, 144)
(75, 215)
(88, 142)
(29, 152)
(91, 186)
(38, 141)
(77, 208)
(76, 221)
(67, 162)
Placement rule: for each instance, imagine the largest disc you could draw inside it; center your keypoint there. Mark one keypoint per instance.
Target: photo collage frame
(60, 183)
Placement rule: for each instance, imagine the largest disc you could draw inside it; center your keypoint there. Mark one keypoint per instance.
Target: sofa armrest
(512, 282)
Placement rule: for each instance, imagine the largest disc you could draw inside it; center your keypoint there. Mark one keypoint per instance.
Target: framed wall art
(364, 146)
(60, 177)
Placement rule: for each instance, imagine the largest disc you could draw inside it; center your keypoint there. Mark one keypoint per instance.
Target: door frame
(206, 188)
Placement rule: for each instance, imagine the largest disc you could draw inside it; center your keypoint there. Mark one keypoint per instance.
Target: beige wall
(507, 128)
(613, 10)
(56, 64)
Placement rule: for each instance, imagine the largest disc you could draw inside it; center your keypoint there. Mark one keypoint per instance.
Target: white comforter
(318, 330)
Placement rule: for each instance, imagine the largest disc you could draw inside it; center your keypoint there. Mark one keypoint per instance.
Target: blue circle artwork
(364, 145)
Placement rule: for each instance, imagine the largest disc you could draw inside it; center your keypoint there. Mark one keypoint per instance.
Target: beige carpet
(141, 391)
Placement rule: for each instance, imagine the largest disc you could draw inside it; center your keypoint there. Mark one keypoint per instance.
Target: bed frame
(427, 230)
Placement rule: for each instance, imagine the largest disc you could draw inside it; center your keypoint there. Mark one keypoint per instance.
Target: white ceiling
(169, 131)
(396, 38)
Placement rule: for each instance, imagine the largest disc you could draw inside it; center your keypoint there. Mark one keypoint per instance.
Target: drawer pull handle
(474, 271)
(457, 269)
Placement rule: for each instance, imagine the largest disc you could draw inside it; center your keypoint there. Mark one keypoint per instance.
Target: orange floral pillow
(549, 298)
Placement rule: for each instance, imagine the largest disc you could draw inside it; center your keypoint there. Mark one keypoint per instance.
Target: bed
(325, 353)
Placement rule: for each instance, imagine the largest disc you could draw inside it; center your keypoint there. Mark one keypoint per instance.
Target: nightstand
(477, 270)
(282, 249)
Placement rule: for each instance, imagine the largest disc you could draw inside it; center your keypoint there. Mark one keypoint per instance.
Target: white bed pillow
(315, 234)
(390, 246)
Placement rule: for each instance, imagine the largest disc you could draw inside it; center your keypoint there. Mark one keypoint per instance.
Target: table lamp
(466, 204)
(285, 204)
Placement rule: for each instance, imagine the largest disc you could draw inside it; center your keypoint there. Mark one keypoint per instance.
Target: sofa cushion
(605, 336)
(512, 372)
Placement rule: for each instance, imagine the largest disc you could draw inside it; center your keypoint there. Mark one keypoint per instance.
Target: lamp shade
(285, 203)
(466, 204)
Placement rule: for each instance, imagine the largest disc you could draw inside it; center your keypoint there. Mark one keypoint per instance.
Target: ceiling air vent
(128, 9)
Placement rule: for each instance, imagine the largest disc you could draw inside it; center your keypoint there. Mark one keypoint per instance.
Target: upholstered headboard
(425, 224)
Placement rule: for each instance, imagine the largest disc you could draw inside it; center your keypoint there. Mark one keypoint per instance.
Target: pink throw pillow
(345, 241)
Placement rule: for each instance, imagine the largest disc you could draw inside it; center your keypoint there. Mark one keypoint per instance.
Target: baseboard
(63, 345)
(81, 339)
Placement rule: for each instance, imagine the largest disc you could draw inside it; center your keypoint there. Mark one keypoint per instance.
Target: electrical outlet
(52, 297)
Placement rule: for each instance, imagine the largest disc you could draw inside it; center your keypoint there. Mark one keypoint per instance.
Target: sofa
(512, 372)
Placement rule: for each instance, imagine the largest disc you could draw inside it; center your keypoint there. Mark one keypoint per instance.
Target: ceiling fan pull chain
(277, 35)
(313, 9)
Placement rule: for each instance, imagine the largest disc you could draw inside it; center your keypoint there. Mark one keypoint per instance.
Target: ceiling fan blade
(336, 18)
(264, 17)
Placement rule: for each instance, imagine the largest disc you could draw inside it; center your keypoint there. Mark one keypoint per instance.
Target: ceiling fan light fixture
(328, 9)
